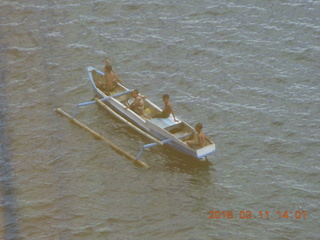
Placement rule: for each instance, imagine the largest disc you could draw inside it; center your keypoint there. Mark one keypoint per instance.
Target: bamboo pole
(97, 135)
(102, 104)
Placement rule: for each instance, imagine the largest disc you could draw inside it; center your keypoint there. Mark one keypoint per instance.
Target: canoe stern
(205, 151)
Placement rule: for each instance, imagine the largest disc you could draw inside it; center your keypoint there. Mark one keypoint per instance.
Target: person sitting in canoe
(111, 79)
(200, 140)
(167, 109)
(136, 102)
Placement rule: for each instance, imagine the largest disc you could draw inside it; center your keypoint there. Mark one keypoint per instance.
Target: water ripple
(247, 70)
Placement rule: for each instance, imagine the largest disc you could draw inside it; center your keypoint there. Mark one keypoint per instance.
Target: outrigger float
(160, 131)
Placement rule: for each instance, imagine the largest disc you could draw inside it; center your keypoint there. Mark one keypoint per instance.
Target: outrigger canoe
(162, 130)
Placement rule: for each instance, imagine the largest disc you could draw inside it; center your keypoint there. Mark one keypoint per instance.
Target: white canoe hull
(161, 129)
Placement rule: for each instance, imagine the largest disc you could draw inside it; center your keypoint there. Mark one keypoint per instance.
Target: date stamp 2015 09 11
(259, 215)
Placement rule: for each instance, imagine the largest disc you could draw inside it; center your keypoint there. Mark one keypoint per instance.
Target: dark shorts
(138, 110)
(162, 114)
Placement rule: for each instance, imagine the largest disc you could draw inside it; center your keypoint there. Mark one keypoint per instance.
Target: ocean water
(248, 70)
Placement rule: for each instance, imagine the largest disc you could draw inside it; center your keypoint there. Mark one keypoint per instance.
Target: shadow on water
(183, 163)
(172, 160)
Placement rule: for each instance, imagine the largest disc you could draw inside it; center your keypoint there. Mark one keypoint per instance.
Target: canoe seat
(166, 123)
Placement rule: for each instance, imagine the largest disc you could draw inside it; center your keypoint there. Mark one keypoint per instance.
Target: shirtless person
(167, 109)
(201, 138)
(110, 77)
(137, 103)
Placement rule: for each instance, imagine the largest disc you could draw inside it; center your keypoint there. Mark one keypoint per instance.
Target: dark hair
(165, 96)
(199, 125)
(136, 91)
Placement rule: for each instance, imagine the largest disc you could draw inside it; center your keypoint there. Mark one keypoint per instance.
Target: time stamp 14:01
(258, 215)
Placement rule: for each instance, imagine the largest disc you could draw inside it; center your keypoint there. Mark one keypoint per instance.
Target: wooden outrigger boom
(169, 131)
(97, 135)
(127, 122)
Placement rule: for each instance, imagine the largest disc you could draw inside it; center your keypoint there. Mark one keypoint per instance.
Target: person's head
(198, 127)
(108, 68)
(165, 98)
(135, 93)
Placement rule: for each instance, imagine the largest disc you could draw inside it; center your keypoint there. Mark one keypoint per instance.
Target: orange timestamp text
(258, 215)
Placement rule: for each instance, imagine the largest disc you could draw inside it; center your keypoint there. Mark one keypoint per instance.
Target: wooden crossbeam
(97, 135)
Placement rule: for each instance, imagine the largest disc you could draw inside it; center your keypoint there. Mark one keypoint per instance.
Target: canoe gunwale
(146, 125)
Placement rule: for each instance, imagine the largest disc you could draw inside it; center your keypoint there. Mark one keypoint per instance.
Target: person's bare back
(110, 81)
(200, 140)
